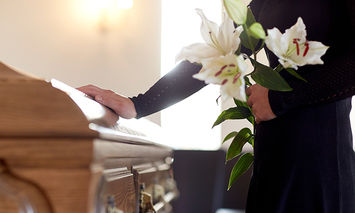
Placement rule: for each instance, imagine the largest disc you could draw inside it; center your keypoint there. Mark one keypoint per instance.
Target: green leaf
(251, 119)
(252, 43)
(250, 18)
(229, 136)
(269, 78)
(251, 141)
(232, 113)
(257, 31)
(295, 74)
(240, 103)
(247, 81)
(248, 41)
(240, 167)
(236, 10)
(238, 142)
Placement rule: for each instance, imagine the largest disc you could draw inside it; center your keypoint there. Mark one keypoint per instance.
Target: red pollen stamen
(232, 65)
(236, 77)
(307, 48)
(297, 46)
(220, 71)
(224, 81)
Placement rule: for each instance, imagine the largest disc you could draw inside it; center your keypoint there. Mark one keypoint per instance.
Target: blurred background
(125, 46)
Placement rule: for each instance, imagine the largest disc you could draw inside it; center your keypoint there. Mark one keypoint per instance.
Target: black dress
(304, 158)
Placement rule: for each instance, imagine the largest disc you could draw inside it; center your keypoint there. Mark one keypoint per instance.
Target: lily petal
(227, 71)
(208, 28)
(196, 53)
(292, 47)
(228, 35)
(316, 50)
(297, 31)
(273, 43)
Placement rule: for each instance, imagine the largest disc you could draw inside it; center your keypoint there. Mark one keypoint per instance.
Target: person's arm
(121, 105)
(175, 86)
(335, 79)
(330, 82)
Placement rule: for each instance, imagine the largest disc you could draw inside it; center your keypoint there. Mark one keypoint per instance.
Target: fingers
(107, 98)
(258, 101)
(257, 120)
(100, 95)
(248, 90)
(90, 90)
(122, 106)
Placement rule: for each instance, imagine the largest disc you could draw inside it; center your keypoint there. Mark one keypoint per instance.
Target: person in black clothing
(304, 157)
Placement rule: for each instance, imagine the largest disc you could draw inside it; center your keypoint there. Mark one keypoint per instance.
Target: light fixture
(106, 12)
(124, 4)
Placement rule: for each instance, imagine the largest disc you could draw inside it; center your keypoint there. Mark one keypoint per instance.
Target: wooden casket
(62, 152)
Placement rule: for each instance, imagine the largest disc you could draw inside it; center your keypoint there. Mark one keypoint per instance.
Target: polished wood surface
(57, 157)
(32, 107)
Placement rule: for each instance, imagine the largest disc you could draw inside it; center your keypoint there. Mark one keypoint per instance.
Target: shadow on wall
(202, 179)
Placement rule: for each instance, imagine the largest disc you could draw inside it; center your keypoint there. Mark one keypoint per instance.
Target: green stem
(279, 68)
(245, 27)
(247, 81)
(261, 46)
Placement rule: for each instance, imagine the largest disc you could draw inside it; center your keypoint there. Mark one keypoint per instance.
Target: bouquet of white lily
(223, 63)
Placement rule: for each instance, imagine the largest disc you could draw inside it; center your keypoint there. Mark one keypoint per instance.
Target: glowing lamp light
(109, 4)
(105, 12)
(124, 4)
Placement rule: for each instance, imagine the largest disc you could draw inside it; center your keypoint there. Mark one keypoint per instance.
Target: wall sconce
(106, 12)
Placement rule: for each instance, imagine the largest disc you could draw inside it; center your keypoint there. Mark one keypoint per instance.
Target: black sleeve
(175, 86)
(335, 79)
(326, 83)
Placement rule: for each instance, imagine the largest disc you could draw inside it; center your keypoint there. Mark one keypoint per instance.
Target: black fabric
(304, 160)
(322, 20)
(175, 86)
(199, 176)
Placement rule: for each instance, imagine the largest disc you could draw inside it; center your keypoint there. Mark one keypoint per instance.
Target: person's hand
(259, 103)
(123, 106)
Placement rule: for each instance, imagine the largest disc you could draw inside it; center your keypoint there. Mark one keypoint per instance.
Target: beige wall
(58, 39)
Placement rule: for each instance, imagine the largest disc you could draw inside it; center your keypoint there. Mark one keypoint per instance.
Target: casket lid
(31, 107)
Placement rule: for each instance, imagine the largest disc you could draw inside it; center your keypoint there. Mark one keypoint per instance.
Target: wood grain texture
(120, 187)
(53, 157)
(47, 152)
(66, 189)
(20, 195)
(32, 107)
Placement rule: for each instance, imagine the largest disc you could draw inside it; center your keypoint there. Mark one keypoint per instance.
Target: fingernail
(98, 98)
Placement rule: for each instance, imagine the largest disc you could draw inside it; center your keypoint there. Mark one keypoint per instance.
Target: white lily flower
(227, 71)
(292, 48)
(222, 40)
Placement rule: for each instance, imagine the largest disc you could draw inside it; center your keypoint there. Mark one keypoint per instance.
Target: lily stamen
(236, 77)
(220, 71)
(295, 41)
(216, 43)
(307, 48)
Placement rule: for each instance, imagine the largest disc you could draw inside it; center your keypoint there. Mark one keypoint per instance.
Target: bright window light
(189, 122)
(352, 119)
(125, 4)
